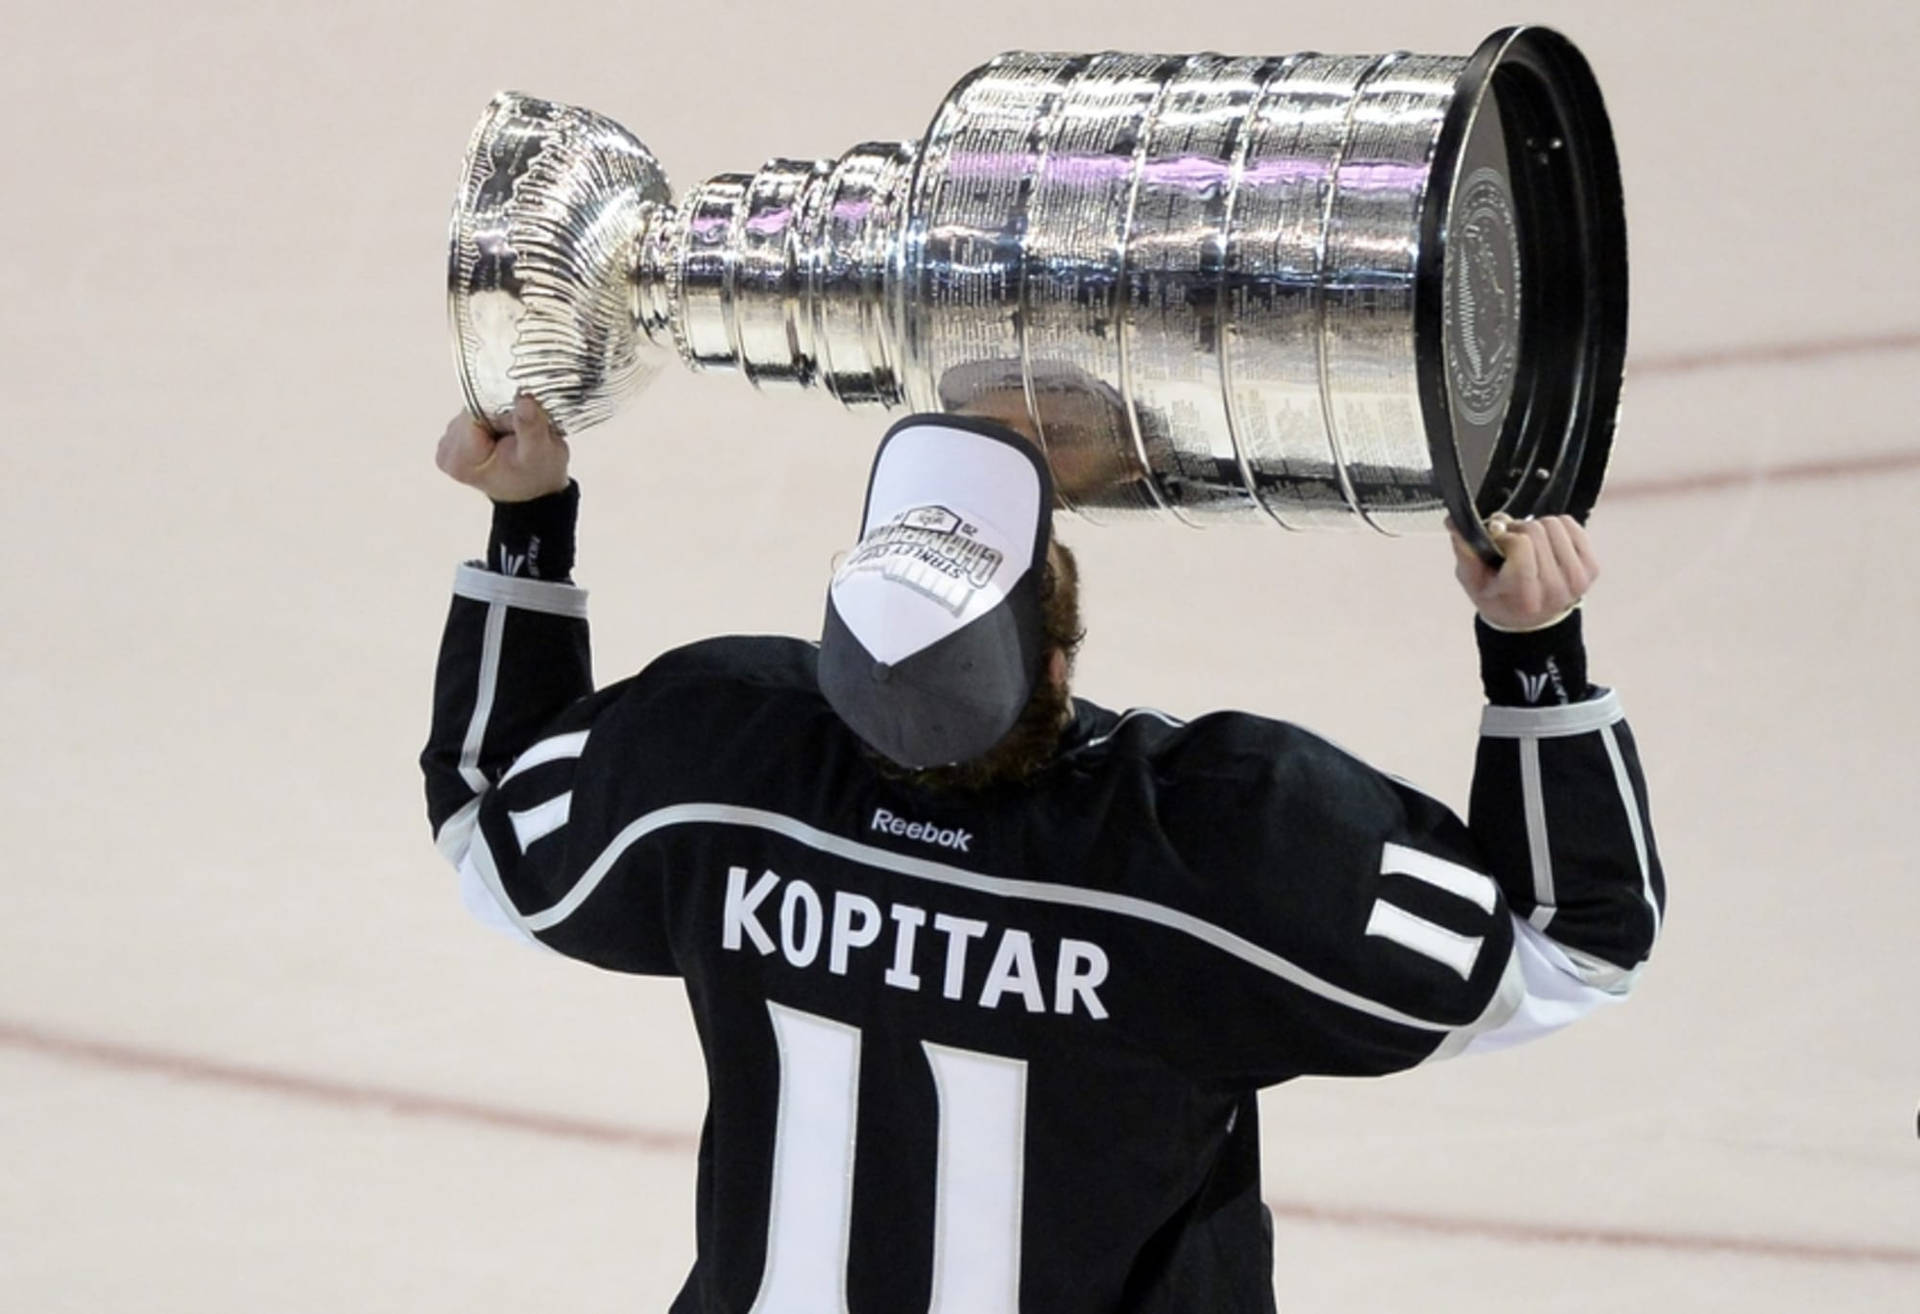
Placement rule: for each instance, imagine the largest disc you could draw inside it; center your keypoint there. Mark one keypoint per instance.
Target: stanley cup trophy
(1307, 290)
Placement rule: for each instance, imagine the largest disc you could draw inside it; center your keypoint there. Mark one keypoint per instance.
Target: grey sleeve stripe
(1551, 722)
(1002, 887)
(1508, 998)
(1548, 992)
(527, 594)
(483, 699)
(456, 833)
(486, 897)
(1598, 972)
(1631, 803)
(1533, 805)
(548, 750)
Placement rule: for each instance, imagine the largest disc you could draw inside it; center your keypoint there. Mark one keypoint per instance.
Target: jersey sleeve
(1559, 810)
(514, 723)
(1370, 929)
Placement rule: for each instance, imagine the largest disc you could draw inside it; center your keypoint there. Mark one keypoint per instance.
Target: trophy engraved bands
(1311, 290)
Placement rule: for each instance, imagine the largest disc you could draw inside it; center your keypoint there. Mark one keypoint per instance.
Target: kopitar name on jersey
(849, 924)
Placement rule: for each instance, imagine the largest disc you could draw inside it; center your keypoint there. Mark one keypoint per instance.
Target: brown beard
(1035, 738)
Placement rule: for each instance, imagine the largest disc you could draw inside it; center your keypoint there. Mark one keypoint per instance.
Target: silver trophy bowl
(539, 262)
(1306, 290)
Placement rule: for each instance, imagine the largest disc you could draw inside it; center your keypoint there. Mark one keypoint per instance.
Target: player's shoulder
(1256, 819)
(716, 700)
(718, 681)
(770, 662)
(1233, 744)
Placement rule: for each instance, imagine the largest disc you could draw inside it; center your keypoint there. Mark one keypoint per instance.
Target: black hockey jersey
(974, 1053)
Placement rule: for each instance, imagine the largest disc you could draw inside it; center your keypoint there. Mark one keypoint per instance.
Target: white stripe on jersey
(483, 894)
(1226, 941)
(1476, 888)
(1428, 939)
(456, 832)
(538, 822)
(500, 593)
(810, 1213)
(979, 1181)
(555, 749)
(1551, 994)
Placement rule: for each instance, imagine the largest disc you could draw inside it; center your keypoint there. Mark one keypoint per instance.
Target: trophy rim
(1574, 432)
(456, 336)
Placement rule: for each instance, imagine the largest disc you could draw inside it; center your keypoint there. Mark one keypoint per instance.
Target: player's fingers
(464, 448)
(1521, 563)
(1552, 580)
(1583, 548)
(530, 422)
(1518, 582)
(1566, 557)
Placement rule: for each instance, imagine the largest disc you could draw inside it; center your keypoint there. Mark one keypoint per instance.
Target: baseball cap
(934, 636)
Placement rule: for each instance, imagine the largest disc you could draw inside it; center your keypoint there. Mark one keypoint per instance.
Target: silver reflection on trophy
(1311, 290)
(539, 262)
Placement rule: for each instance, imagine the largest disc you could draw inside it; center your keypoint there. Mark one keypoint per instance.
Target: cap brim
(951, 701)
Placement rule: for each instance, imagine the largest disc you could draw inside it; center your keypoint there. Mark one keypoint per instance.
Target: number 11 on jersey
(977, 1192)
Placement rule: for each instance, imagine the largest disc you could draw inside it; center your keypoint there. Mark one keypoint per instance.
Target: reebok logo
(925, 832)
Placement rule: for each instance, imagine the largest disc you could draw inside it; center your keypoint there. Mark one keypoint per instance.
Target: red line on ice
(323, 1090)
(1715, 481)
(1566, 1234)
(363, 1097)
(1774, 353)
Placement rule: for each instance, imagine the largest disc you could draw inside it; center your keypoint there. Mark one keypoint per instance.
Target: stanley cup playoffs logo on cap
(932, 550)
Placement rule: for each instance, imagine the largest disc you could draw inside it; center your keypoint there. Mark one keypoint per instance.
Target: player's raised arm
(514, 659)
(1559, 805)
(1398, 933)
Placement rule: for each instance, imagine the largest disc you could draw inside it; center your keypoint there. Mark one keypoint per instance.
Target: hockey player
(987, 976)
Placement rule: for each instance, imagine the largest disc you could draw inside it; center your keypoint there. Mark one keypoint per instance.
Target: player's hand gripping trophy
(1307, 290)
